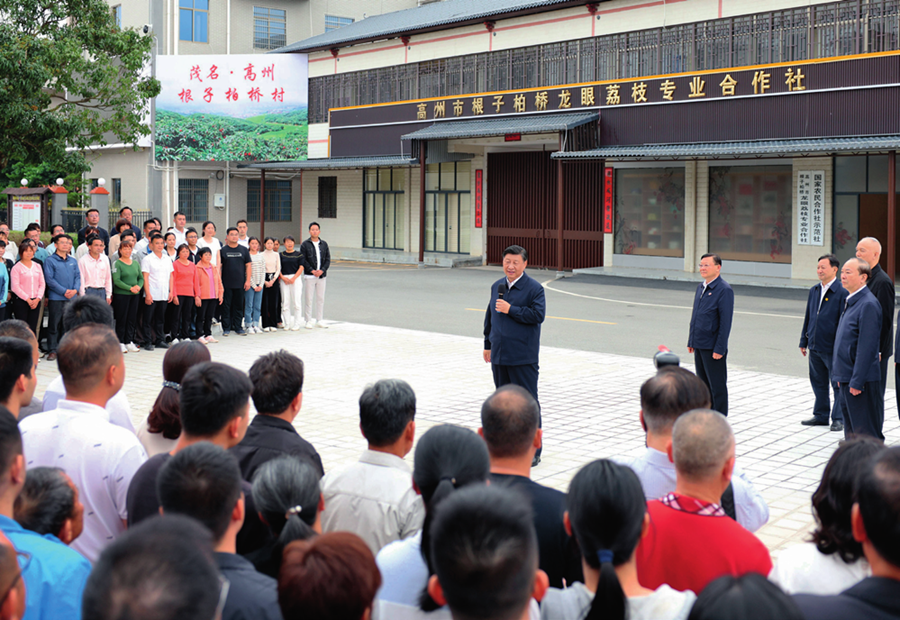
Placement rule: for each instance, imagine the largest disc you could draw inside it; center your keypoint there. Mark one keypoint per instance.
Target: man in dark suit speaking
(512, 326)
(823, 311)
(855, 366)
(710, 328)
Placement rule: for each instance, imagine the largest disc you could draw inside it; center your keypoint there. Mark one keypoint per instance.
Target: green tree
(69, 77)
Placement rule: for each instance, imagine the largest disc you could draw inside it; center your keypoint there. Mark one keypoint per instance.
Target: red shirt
(184, 279)
(687, 549)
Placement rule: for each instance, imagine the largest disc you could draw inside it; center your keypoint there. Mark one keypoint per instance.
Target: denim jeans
(252, 307)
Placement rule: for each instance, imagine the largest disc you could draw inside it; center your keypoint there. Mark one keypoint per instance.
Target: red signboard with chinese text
(512, 137)
(478, 198)
(608, 200)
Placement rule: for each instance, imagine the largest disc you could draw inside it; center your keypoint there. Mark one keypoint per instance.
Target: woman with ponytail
(608, 517)
(287, 496)
(447, 458)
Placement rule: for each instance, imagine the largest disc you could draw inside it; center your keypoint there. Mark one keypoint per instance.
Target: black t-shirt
(290, 262)
(559, 555)
(143, 503)
(234, 266)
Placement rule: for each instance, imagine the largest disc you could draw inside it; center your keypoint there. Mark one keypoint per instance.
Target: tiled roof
(483, 127)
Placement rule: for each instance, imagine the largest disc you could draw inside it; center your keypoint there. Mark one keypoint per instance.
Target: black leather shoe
(814, 422)
(535, 461)
(837, 426)
(148, 347)
(162, 345)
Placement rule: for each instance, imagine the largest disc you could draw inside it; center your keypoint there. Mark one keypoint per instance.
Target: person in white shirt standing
(77, 436)
(179, 230)
(243, 238)
(374, 498)
(159, 288)
(316, 261)
(96, 277)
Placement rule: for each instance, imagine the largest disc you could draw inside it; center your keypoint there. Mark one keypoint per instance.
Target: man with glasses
(710, 328)
(53, 573)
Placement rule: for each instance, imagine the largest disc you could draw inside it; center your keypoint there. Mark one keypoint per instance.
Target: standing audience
(159, 278)
(209, 285)
(187, 289)
(128, 282)
(96, 278)
(316, 261)
(291, 291)
(28, 284)
(236, 273)
(271, 300)
(253, 296)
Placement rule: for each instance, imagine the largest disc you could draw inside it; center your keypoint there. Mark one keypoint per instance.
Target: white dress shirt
(374, 499)
(803, 569)
(118, 407)
(157, 269)
(824, 291)
(100, 458)
(657, 475)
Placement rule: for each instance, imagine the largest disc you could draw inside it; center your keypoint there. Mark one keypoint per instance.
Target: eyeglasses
(24, 560)
(224, 587)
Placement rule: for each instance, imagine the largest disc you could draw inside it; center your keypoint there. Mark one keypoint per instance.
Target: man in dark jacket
(855, 365)
(316, 261)
(823, 311)
(882, 286)
(512, 326)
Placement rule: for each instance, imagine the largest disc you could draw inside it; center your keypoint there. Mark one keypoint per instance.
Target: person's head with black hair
(277, 379)
(33, 226)
(56, 229)
(165, 415)
(447, 458)
(127, 235)
(485, 554)
(832, 501)
(87, 309)
(387, 412)
(191, 237)
(16, 328)
(215, 404)
(876, 515)
(49, 504)
(12, 461)
(180, 220)
(91, 363)
(515, 261)
(287, 496)
(157, 243)
(149, 226)
(608, 516)
(122, 225)
(161, 568)
(741, 598)
(666, 395)
(17, 373)
(183, 251)
(509, 426)
(203, 482)
(231, 236)
(63, 243)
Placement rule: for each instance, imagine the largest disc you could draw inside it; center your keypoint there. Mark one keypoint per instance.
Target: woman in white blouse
(832, 560)
(208, 240)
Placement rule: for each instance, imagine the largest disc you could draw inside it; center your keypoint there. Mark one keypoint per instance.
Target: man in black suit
(823, 311)
(854, 366)
(93, 220)
(874, 520)
(882, 286)
(710, 328)
(512, 326)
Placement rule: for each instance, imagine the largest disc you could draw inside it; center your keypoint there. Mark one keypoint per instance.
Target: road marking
(546, 285)
(560, 318)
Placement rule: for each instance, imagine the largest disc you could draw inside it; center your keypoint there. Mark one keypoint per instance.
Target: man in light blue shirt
(54, 575)
(664, 397)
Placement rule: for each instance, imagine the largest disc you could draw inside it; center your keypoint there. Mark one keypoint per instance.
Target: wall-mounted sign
(608, 200)
(25, 210)
(478, 198)
(811, 207)
(232, 108)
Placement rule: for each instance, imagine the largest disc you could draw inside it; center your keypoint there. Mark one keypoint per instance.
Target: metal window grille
(278, 201)
(327, 197)
(269, 28)
(193, 199)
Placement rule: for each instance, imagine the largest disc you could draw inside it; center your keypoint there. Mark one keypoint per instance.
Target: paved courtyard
(590, 405)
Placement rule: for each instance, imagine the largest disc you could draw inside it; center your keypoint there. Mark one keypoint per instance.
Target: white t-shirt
(158, 269)
(118, 407)
(100, 458)
(215, 245)
(803, 569)
(12, 252)
(574, 602)
(180, 237)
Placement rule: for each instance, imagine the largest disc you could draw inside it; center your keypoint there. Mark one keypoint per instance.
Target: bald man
(882, 287)
(855, 365)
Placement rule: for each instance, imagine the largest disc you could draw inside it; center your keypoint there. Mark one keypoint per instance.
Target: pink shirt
(95, 273)
(28, 283)
(184, 280)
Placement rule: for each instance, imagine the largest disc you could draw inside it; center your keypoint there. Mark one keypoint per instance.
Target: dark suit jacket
(269, 437)
(882, 287)
(856, 344)
(821, 321)
(712, 316)
(103, 235)
(873, 598)
(514, 339)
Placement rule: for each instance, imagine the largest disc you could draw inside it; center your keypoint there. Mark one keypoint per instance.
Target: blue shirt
(4, 288)
(61, 276)
(40, 254)
(55, 578)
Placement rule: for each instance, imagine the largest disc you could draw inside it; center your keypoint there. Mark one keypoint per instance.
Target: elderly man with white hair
(882, 286)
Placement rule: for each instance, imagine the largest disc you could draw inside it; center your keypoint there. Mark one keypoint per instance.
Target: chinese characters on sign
(608, 200)
(478, 198)
(811, 207)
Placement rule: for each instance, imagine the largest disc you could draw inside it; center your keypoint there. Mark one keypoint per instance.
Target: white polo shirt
(100, 458)
(118, 407)
(158, 269)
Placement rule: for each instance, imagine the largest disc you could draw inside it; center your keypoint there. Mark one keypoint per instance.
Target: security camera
(147, 28)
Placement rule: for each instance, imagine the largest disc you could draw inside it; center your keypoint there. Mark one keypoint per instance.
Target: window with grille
(278, 201)
(193, 199)
(269, 28)
(116, 191)
(333, 22)
(194, 20)
(327, 197)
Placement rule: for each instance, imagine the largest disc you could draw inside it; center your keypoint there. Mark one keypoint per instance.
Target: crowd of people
(209, 514)
(165, 287)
